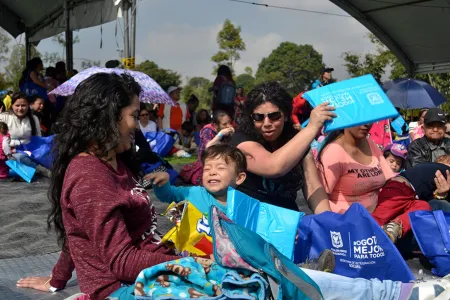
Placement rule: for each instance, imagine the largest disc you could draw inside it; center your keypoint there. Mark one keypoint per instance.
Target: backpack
(238, 247)
(226, 94)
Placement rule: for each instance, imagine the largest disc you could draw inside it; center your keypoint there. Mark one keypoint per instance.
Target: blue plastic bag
(159, 166)
(357, 101)
(432, 232)
(40, 149)
(160, 142)
(274, 224)
(399, 124)
(21, 169)
(359, 244)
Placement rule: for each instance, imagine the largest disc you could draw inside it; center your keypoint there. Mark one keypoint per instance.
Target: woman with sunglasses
(145, 123)
(278, 156)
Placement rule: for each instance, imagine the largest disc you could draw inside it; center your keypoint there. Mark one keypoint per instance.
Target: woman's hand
(37, 283)
(158, 178)
(227, 131)
(319, 115)
(442, 184)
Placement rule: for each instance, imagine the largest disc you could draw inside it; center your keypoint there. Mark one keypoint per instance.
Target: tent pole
(69, 39)
(126, 34)
(133, 33)
(27, 48)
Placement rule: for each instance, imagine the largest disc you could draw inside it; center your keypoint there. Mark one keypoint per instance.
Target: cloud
(184, 39)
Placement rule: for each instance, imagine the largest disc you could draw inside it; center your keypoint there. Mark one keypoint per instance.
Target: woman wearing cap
(324, 79)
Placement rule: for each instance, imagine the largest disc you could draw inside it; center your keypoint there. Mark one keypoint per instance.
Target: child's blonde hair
(444, 159)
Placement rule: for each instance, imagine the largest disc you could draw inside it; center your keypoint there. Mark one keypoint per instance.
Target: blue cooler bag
(274, 224)
(358, 101)
(360, 246)
(432, 232)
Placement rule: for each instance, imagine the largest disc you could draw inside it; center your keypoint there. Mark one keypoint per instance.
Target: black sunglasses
(273, 116)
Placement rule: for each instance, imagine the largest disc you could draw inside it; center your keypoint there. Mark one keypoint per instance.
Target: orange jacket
(300, 106)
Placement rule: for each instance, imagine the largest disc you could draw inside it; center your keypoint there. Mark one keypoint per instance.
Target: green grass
(180, 160)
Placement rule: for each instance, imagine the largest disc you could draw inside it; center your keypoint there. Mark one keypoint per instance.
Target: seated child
(395, 155)
(186, 142)
(5, 150)
(224, 166)
(410, 191)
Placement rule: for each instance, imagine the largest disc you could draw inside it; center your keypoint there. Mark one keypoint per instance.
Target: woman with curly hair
(278, 156)
(104, 219)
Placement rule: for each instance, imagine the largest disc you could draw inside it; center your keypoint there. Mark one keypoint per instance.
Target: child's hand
(442, 184)
(158, 178)
(227, 131)
(37, 283)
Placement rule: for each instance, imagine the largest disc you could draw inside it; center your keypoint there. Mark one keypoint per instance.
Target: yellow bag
(191, 231)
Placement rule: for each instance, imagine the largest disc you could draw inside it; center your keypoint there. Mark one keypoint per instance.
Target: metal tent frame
(40, 19)
(416, 31)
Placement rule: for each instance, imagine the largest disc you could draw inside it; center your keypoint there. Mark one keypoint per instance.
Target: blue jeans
(443, 205)
(336, 287)
(332, 286)
(24, 159)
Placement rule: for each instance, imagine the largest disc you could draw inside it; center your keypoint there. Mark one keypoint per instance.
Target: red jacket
(299, 107)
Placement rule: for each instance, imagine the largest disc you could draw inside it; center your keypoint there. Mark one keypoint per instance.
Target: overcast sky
(181, 34)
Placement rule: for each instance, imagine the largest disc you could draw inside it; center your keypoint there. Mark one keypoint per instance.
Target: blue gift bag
(360, 246)
(400, 125)
(40, 150)
(432, 232)
(274, 224)
(21, 169)
(357, 101)
(161, 142)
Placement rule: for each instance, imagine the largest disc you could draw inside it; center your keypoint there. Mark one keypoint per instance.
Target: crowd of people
(107, 223)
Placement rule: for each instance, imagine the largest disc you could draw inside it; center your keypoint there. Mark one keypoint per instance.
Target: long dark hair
(19, 95)
(269, 92)
(203, 122)
(89, 118)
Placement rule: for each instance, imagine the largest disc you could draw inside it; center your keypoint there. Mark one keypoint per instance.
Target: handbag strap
(443, 228)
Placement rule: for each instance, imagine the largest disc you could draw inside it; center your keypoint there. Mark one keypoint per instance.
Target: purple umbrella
(413, 93)
(151, 91)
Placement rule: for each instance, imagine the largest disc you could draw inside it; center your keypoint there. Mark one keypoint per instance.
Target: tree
(198, 86)
(85, 64)
(382, 59)
(51, 58)
(294, 66)
(164, 77)
(4, 44)
(60, 39)
(16, 64)
(230, 45)
(198, 82)
(248, 71)
(246, 81)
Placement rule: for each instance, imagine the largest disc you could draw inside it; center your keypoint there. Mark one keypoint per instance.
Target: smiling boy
(223, 166)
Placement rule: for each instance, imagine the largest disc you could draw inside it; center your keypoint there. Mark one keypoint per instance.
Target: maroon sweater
(110, 224)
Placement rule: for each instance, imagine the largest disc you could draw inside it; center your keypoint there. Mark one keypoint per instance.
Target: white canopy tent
(416, 31)
(40, 19)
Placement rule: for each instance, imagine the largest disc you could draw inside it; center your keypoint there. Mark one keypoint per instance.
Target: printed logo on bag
(375, 98)
(338, 100)
(203, 225)
(336, 239)
(367, 248)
